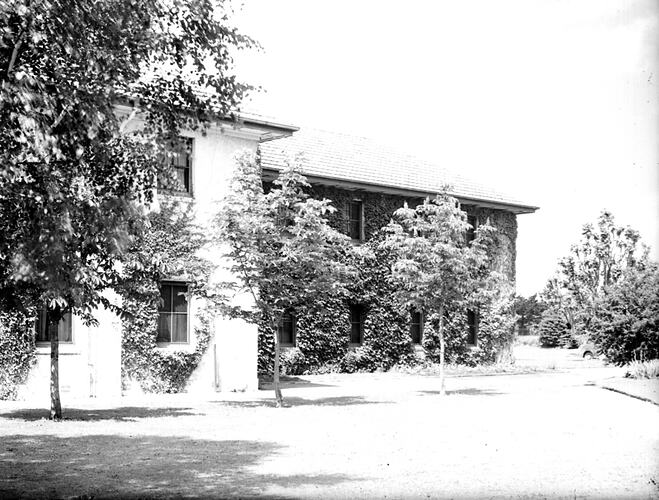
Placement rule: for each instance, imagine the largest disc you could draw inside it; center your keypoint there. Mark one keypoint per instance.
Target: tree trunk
(442, 348)
(55, 404)
(275, 377)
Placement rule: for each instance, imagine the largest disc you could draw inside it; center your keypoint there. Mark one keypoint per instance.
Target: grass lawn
(383, 435)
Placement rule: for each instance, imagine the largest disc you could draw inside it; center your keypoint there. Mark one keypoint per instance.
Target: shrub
(553, 330)
(16, 352)
(643, 369)
(293, 362)
(625, 324)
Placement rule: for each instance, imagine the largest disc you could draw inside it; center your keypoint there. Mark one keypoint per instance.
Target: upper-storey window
(471, 232)
(173, 313)
(45, 329)
(181, 163)
(356, 220)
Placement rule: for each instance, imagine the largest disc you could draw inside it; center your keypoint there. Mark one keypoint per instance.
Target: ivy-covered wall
(323, 328)
(379, 208)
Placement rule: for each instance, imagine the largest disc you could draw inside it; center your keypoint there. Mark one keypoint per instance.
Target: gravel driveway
(541, 435)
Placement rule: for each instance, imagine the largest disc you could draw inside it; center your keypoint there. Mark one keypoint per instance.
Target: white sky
(553, 101)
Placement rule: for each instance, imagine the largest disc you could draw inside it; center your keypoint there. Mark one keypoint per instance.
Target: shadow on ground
(465, 392)
(289, 382)
(107, 466)
(123, 414)
(296, 401)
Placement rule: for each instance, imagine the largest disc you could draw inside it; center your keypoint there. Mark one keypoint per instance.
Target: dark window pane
(164, 327)
(287, 329)
(179, 302)
(165, 298)
(355, 220)
(179, 328)
(416, 327)
(45, 330)
(471, 232)
(472, 325)
(356, 324)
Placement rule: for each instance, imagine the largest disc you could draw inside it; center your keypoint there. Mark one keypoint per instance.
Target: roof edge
(516, 208)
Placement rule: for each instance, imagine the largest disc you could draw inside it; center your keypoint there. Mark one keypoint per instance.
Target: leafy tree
(599, 260)
(280, 247)
(76, 170)
(435, 267)
(625, 324)
(529, 310)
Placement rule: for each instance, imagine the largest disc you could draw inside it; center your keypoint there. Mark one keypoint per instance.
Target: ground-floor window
(416, 326)
(472, 327)
(357, 315)
(173, 313)
(44, 329)
(286, 329)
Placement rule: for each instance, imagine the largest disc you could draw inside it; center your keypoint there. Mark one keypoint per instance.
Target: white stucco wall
(90, 366)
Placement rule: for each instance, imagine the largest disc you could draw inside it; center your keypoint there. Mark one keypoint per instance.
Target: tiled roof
(358, 160)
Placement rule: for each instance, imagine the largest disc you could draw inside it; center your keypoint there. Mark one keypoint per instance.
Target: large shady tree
(74, 179)
(279, 247)
(598, 261)
(436, 267)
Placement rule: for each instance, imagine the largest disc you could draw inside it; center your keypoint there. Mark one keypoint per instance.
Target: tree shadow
(296, 401)
(289, 382)
(123, 414)
(110, 466)
(465, 392)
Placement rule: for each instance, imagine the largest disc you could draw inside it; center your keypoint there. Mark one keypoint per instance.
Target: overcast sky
(553, 101)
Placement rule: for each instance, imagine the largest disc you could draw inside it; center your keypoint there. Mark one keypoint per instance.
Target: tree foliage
(598, 261)
(280, 246)
(435, 267)
(625, 323)
(529, 311)
(75, 171)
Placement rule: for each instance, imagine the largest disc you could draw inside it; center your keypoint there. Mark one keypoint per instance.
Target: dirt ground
(550, 434)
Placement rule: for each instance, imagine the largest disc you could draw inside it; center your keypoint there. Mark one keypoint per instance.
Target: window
(471, 232)
(355, 220)
(44, 330)
(472, 327)
(173, 313)
(356, 323)
(287, 329)
(181, 162)
(416, 326)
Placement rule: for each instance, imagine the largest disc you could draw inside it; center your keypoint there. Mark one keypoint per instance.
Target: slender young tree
(436, 268)
(279, 246)
(76, 172)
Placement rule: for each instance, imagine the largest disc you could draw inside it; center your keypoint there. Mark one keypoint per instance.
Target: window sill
(65, 349)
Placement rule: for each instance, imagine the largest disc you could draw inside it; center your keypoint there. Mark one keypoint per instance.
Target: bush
(625, 325)
(643, 369)
(293, 362)
(16, 352)
(553, 330)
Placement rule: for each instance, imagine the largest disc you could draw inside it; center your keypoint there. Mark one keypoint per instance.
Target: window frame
(187, 146)
(40, 323)
(280, 328)
(159, 340)
(359, 219)
(360, 309)
(420, 323)
(470, 235)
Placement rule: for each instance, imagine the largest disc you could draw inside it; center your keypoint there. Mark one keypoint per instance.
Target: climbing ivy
(169, 249)
(17, 352)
